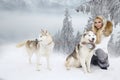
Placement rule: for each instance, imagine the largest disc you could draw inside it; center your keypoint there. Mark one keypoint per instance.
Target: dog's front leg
(89, 61)
(30, 55)
(82, 61)
(88, 64)
(48, 62)
(37, 61)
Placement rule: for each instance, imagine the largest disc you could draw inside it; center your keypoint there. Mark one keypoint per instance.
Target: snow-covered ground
(14, 66)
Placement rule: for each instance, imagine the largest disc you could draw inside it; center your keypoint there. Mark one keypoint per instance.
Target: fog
(18, 25)
(23, 19)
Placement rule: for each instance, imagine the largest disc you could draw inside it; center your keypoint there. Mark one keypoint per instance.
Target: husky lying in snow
(83, 52)
(43, 46)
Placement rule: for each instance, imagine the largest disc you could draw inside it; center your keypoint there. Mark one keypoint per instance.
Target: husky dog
(83, 52)
(42, 46)
(73, 59)
(87, 45)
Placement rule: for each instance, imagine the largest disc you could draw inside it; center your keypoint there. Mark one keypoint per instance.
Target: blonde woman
(103, 29)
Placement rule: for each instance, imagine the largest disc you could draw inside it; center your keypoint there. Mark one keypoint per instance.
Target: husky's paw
(89, 71)
(67, 68)
(85, 71)
(37, 68)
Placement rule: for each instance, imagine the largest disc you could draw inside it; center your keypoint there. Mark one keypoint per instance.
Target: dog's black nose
(93, 39)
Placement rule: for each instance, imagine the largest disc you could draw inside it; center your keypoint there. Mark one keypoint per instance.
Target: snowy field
(14, 66)
(23, 19)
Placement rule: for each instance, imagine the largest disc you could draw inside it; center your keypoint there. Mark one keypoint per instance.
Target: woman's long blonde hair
(105, 30)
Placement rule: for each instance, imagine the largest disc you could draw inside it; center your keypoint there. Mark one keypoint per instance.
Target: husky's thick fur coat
(86, 52)
(83, 52)
(42, 46)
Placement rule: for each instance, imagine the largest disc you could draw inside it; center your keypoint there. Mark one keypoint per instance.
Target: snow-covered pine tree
(114, 48)
(67, 36)
(114, 10)
(115, 42)
(57, 41)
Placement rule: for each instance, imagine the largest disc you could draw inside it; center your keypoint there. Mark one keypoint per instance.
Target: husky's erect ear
(46, 31)
(86, 30)
(84, 34)
(42, 31)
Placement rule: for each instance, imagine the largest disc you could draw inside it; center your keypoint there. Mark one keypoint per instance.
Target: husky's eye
(88, 35)
(84, 35)
(40, 36)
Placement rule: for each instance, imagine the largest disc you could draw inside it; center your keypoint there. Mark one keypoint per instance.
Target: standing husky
(43, 46)
(87, 45)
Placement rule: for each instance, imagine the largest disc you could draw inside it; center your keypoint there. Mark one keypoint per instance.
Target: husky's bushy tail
(20, 44)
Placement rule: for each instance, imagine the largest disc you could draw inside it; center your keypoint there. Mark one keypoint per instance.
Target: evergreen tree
(57, 41)
(67, 33)
(64, 39)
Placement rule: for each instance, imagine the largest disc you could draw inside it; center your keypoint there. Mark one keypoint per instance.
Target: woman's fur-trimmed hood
(106, 29)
